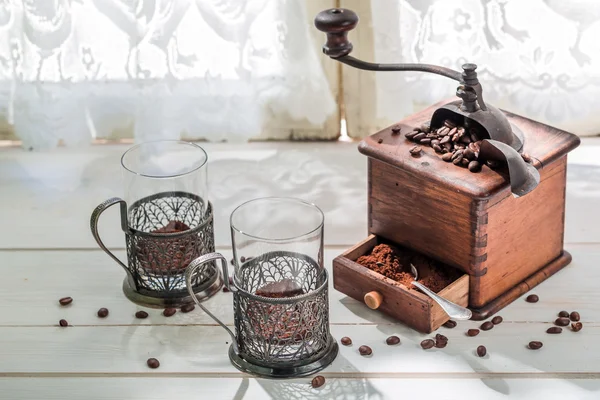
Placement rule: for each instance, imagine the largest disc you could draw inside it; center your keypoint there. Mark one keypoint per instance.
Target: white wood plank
(335, 388)
(35, 280)
(203, 349)
(55, 192)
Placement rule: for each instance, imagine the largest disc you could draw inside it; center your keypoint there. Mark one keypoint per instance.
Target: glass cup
(280, 288)
(167, 221)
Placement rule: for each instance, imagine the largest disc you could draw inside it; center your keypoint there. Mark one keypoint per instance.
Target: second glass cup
(280, 288)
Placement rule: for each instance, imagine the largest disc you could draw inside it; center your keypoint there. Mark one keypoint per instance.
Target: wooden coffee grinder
(502, 226)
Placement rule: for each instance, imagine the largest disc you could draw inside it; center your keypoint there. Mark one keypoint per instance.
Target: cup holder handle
(202, 262)
(94, 225)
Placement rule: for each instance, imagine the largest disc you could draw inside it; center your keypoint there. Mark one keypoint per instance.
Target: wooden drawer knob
(373, 300)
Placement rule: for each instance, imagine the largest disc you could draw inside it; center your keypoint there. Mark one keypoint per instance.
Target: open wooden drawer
(409, 306)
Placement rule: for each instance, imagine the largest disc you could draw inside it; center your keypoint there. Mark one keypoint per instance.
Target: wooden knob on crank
(373, 300)
(336, 23)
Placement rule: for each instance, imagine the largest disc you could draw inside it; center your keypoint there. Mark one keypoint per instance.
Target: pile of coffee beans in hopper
(457, 144)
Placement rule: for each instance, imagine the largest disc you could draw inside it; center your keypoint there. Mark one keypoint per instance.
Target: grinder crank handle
(337, 22)
(523, 177)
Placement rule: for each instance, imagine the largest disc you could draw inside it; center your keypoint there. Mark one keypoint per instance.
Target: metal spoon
(452, 309)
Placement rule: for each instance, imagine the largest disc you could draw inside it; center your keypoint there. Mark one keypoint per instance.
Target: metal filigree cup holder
(156, 262)
(275, 337)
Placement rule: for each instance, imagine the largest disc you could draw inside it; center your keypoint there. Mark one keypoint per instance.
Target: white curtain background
(537, 58)
(73, 70)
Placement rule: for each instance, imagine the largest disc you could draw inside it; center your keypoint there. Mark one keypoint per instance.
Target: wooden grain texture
(203, 350)
(406, 305)
(408, 211)
(484, 386)
(523, 235)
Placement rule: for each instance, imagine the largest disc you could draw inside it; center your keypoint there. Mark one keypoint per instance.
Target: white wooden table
(47, 252)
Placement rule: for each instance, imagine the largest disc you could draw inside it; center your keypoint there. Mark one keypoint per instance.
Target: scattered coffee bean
(141, 314)
(481, 351)
(242, 259)
(419, 136)
(449, 124)
(346, 341)
(395, 130)
(187, 308)
(225, 289)
(169, 312)
(317, 381)
(427, 344)
(415, 150)
(486, 326)
(561, 321)
(425, 128)
(473, 332)
(153, 363)
(563, 314)
(103, 312)
(392, 340)
(365, 350)
(450, 324)
(554, 330)
(457, 161)
(575, 316)
(526, 157)
(532, 298)
(535, 345)
(447, 157)
(576, 326)
(63, 322)
(437, 148)
(497, 320)
(440, 341)
(425, 141)
(379, 140)
(411, 135)
(232, 261)
(474, 166)
(445, 140)
(65, 301)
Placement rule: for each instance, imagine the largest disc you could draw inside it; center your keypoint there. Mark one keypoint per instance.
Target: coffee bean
(457, 161)
(464, 162)
(447, 157)
(444, 150)
(563, 314)
(437, 148)
(465, 139)
(532, 298)
(452, 132)
(410, 135)
(440, 341)
(448, 146)
(415, 150)
(481, 351)
(427, 344)
(449, 124)
(141, 314)
(554, 330)
(443, 131)
(232, 261)
(379, 140)
(576, 326)
(435, 141)
(497, 320)
(450, 324)
(419, 136)
(317, 381)
(346, 341)
(475, 148)
(103, 312)
(187, 308)
(458, 154)
(455, 137)
(365, 350)
(392, 340)
(474, 166)
(65, 301)
(445, 139)
(169, 312)
(575, 316)
(468, 154)
(396, 130)
(486, 326)
(225, 289)
(432, 136)
(473, 332)
(153, 363)
(425, 141)
(562, 321)
(526, 157)
(535, 345)
(63, 322)
(242, 259)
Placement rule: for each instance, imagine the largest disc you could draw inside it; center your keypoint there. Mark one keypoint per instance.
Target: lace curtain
(73, 70)
(537, 58)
